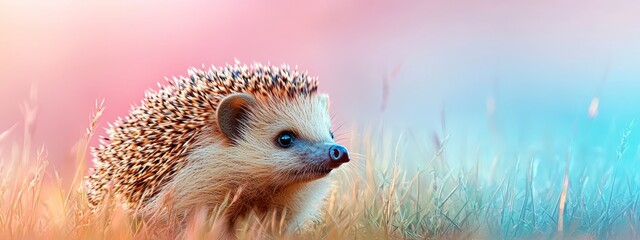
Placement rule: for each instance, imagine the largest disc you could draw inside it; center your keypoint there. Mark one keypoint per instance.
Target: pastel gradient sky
(540, 62)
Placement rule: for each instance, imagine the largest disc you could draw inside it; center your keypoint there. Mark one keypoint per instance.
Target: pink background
(532, 58)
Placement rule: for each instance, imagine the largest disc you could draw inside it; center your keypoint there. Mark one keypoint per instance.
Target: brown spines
(144, 150)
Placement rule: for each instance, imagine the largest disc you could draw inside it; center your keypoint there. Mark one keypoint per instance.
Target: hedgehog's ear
(231, 113)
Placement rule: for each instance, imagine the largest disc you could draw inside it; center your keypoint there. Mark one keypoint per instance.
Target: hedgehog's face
(285, 140)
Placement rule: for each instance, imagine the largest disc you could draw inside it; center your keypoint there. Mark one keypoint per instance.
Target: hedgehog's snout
(338, 155)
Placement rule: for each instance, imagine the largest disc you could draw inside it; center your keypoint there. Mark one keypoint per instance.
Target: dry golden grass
(373, 199)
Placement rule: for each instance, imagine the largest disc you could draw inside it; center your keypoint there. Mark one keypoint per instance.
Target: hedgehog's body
(260, 133)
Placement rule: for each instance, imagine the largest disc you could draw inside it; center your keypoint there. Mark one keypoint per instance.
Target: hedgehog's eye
(285, 139)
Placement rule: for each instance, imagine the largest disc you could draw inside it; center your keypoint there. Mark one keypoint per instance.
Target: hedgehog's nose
(338, 154)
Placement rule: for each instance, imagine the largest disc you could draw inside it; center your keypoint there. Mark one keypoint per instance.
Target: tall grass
(375, 196)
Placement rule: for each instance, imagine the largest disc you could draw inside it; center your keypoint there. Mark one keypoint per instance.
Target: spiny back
(144, 150)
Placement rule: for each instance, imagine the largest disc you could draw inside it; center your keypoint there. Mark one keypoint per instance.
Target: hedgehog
(261, 133)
